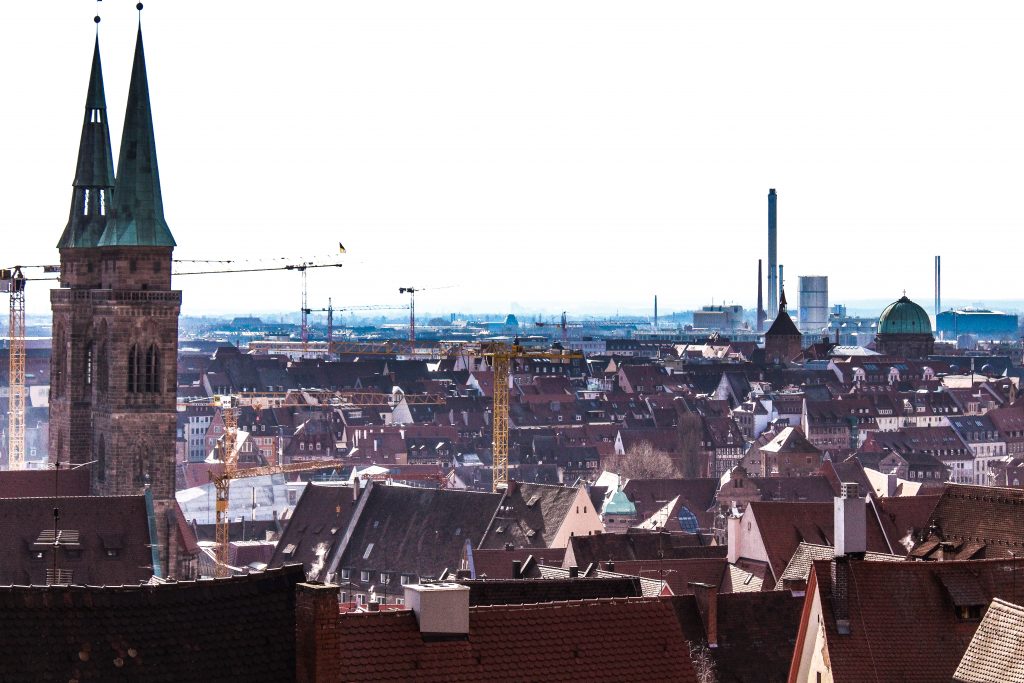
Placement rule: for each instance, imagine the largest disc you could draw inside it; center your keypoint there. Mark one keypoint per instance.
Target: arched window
(133, 369)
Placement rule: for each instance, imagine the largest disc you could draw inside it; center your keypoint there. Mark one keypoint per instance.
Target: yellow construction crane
(502, 355)
(222, 482)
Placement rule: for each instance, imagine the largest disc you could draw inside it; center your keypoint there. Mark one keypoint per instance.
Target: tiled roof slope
(317, 524)
(904, 624)
(756, 634)
(497, 564)
(993, 517)
(117, 525)
(996, 653)
(603, 640)
(799, 566)
(586, 550)
(40, 483)
(784, 526)
(238, 629)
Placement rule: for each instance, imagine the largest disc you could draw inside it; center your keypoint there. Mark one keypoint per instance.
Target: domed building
(904, 330)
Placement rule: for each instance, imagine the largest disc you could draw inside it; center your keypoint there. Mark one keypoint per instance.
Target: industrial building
(813, 314)
(718, 318)
(981, 322)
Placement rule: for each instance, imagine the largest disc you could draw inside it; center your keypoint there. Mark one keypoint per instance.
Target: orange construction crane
(388, 477)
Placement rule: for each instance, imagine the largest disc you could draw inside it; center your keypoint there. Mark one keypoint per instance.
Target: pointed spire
(782, 300)
(94, 174)
(138, 205)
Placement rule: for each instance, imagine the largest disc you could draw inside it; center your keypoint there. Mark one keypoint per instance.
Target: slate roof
(115, 523)
(413, 530)
(527, 591)
(318, 522)
(904, 623)
(529, 516)
(996, 653)
(632, 639)
(497, 563)
(210, 630)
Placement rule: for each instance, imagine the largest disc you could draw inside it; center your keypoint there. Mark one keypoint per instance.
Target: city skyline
(627, 155)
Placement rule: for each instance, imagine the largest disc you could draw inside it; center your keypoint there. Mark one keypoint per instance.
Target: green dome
(904, 317)
(619, 505)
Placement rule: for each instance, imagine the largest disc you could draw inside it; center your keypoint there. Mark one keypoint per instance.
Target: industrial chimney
(761, 315)
(773, 258)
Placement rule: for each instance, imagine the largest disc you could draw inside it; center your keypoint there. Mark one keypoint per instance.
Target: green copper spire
(138, 219)
(94, 175)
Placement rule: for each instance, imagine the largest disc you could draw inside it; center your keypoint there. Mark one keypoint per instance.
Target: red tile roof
(633, 639)
(903, 618)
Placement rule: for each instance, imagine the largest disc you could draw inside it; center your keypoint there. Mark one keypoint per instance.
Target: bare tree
(703, 663)
(644, 461)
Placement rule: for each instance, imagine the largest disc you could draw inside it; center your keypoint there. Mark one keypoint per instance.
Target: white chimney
(850, 521)
(733, 533)
(442, 609)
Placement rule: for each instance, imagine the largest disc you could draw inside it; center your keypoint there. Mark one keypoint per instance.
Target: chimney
(317, 641)
(609, 566)
(761, 316)
(892, 483)
(441, 609)
(733, 534)
(841, 593)
(707, 604)
(517, 569)
(849, 521)
(773, 261)
(574, 572)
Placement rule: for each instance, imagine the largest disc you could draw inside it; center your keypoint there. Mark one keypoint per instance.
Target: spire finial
(97, 17)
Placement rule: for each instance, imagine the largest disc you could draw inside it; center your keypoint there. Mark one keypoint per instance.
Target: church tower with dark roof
(115, 316)
(782, 341)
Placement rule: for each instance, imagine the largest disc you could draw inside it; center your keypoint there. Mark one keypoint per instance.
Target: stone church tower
(115, 316)
(782, 341)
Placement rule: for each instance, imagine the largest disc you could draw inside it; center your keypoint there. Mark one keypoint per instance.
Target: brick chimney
(841, 593)
(517, 569)
(707, 604)
(850, 521)
(317, 646)
(441, 609)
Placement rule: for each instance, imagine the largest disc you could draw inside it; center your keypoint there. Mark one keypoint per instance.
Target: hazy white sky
(551, 154)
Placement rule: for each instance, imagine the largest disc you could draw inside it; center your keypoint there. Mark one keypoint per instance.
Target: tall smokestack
(782, 282)
(655, 311)
(938, 286)
(773, 259)
(761, 316)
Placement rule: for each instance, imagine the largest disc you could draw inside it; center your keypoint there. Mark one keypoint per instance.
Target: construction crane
(411, 291)
(302, 267)
(222, 482)
(14, 283)
(330, 314)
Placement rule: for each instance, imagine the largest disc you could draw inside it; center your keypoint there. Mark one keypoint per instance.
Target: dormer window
(95, 116)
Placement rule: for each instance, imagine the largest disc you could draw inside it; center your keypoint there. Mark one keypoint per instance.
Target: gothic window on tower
(85, 204)
(133, 369)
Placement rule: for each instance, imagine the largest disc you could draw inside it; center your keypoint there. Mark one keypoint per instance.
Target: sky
(542, 155)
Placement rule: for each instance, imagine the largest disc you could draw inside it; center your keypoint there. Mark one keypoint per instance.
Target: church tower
(115, 316)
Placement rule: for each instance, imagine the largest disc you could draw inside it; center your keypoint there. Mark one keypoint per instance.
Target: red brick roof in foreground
(904, 623)
(632, 639)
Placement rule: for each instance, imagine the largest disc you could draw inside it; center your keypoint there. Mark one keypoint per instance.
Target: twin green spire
(127, 211)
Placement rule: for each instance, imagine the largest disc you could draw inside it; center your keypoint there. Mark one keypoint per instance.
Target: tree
(644, 461)
(703, 662)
